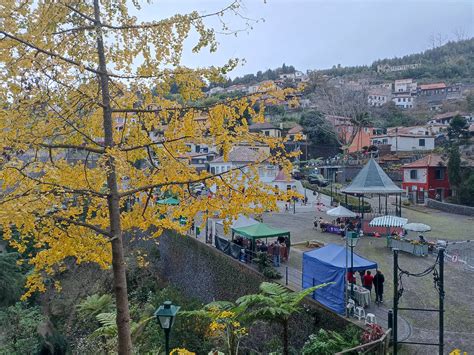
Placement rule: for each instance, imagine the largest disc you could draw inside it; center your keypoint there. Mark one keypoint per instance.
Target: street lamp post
(352, 239)
(165, 315)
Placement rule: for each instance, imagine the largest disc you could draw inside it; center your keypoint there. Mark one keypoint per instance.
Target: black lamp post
(352, 239)
(165, 315)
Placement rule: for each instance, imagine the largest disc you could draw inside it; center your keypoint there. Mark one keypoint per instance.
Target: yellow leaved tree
(91, 135)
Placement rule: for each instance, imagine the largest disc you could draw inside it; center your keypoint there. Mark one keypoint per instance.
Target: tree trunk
(113, 201)
(286, 350)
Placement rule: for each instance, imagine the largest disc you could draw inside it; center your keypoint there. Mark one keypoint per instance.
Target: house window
(385, 141)
(414, 174)
(421, 142)
(267, 133)
(439, 174)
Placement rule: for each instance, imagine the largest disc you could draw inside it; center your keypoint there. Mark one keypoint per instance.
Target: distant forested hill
(451, 62)
(250, 79)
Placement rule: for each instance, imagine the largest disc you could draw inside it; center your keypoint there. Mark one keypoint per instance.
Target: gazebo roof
(372, 179)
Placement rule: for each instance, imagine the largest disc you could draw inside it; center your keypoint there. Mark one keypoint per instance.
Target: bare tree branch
(82, 224)
(73, 146)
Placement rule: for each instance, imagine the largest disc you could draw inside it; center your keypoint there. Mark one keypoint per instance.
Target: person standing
(368, 280)
(378, 281)
(276, 254)
(351, 278)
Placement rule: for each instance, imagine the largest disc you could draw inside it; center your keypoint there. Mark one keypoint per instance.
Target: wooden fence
(378, 347)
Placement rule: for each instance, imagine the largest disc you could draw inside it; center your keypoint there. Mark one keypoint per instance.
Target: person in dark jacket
(378, 281)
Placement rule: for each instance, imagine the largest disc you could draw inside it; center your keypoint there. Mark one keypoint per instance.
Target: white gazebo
(372, 180)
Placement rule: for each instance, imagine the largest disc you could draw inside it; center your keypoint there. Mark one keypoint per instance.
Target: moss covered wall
(203, 272)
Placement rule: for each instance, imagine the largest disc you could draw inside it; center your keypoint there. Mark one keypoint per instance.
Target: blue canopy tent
(329, 264)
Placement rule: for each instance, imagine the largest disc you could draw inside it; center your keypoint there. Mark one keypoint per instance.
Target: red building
(427, 177)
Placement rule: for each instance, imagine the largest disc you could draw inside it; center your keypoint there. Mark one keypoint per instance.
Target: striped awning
(388, 221)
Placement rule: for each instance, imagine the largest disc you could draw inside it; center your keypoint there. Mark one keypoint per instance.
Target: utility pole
(395, 301)
(441, 299)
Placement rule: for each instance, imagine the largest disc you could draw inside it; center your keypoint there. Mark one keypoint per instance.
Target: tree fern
(94, 305)
(274, 303)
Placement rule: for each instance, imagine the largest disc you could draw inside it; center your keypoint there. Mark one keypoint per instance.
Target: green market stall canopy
(260, 231)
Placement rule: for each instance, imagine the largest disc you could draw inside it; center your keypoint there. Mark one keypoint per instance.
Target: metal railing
(379, 347)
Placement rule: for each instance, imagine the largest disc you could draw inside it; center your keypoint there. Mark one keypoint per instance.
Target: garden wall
(450, 207)
(204, 272)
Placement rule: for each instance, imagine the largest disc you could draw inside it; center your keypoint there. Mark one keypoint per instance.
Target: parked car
(318, 179)
(297, 175)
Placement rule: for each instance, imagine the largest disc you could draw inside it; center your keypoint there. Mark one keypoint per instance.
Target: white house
(405, 86)
(296, 76)
(378, 97)
(266, 128)
(405, 101)
(284, 183)
(216, 90)
(444, 118)
(405, 142)
(239, 157)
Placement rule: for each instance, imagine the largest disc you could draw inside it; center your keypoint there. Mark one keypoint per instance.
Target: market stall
(388, 222)
(361, 295)
(409, 246)
(329, 264)
(251, 239)
(339, 212)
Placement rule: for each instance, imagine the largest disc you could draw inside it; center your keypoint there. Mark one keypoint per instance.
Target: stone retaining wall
(203, 272)
(450, 207)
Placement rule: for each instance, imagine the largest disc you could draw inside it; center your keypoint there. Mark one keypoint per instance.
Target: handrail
(364, 346)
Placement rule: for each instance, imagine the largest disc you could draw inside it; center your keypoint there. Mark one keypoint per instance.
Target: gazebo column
(363, 206)
(396, 205)
(380, 205)
(400, 206)
(386, 204)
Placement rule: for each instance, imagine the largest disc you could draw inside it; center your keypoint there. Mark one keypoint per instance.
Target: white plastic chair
(359, 313)
(370, 319)
(350, 306)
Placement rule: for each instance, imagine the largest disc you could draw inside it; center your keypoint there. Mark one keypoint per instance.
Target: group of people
(277, 250)
(344, 224)
(369, 281)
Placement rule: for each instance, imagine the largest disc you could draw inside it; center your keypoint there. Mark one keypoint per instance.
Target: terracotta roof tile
(431, 160)
(241, 154)
(296, 129)
(260, 126)
(433, 86)
(442, 116)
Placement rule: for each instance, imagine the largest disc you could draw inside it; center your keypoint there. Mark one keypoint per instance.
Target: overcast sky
(315, 34)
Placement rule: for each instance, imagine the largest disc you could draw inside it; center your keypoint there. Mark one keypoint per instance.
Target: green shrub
(271, 273)
(330, 342)
(19, 325)
(263, 261)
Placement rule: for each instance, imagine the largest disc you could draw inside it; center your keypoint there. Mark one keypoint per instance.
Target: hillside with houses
(343, 116)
